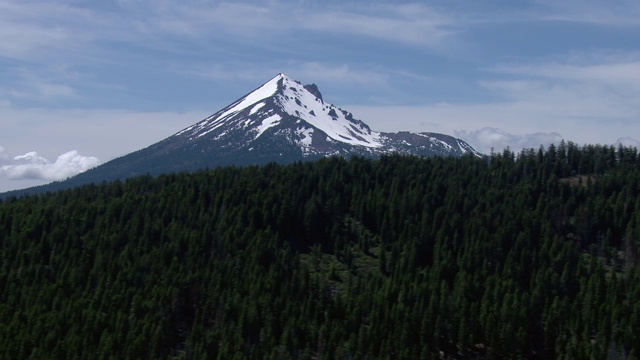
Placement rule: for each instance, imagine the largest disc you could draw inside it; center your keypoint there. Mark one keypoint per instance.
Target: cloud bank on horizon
(32, 166)
(114, 76)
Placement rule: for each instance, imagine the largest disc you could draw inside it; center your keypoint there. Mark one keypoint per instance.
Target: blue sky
(82, 82)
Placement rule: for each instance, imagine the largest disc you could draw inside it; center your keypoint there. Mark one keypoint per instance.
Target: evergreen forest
(529, 255)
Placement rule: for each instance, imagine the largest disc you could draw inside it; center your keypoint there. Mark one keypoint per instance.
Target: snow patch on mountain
(463, 146)
(306, 136)
(305, 139)
(336, 123)
(267, 123)
(261, 93)
(256, 108)
(220, 118)
(440, 142)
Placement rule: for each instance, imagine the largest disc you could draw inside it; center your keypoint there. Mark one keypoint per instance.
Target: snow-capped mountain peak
(281, 121)
(296, 100)
(253, 99)
(285, 109)
(281, 98)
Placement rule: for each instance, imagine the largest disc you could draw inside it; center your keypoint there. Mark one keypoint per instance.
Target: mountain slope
(281, 121)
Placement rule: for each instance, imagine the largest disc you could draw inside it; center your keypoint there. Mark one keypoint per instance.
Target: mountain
(281, 121)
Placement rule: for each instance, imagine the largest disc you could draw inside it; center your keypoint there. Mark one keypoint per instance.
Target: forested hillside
(530, 255)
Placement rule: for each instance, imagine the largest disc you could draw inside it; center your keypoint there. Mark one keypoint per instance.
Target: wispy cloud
(341, 73)
(617, 14)
(31, 28)
(212, 39)
(42, 43)
(37, 85)
(338, 80)
(611, 13)
(329, 72)
(583, 86)
(33, 166)
(415, 24)
(404, 22)
(607, 69)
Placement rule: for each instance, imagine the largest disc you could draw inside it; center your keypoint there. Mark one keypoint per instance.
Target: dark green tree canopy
(528, 255)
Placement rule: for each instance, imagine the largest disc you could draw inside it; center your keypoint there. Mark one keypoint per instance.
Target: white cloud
(524, 123)
(105, 134)
(33, 166)
(483, 126)
(101, 132)
(487, 139)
